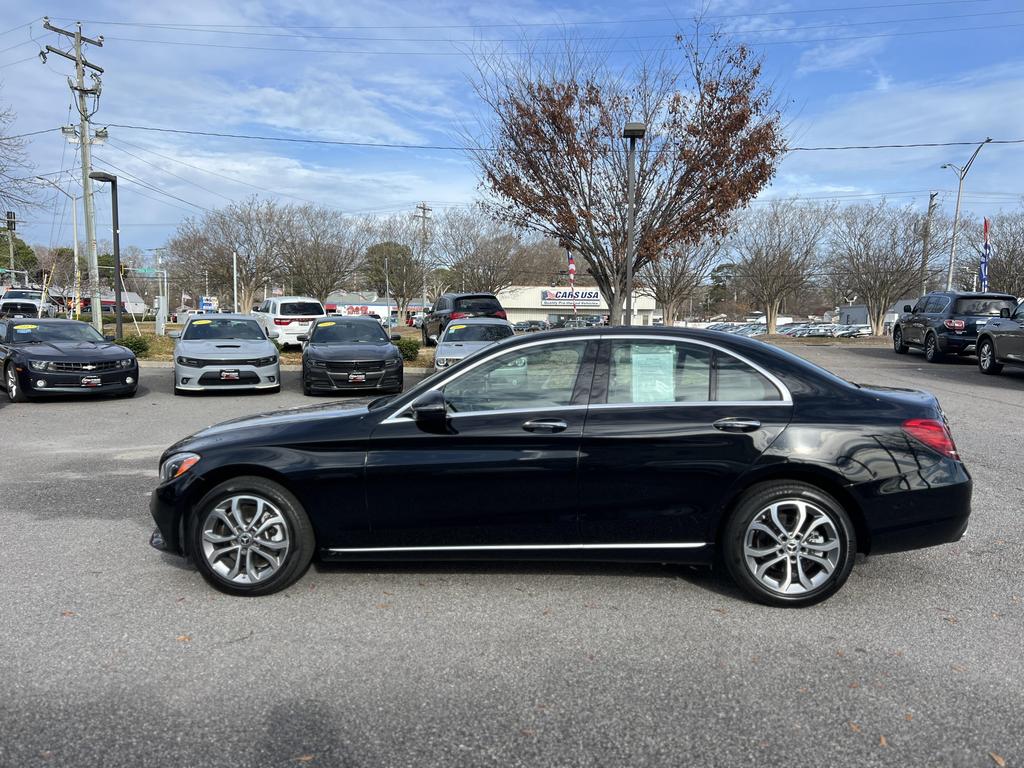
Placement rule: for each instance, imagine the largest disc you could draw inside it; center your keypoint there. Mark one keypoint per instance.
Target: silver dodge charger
(225, 352)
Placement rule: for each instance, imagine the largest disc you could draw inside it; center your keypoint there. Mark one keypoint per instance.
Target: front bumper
(55, 384)
(210, 378)
(169, 506)
(324, 380)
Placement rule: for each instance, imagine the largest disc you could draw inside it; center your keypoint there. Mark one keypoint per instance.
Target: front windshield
(28, 333)
(983, 307)
(477, 332)
(229, 328)
(23, 295)
(348, 332)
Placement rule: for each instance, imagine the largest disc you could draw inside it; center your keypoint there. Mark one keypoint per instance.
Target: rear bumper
(954, 343)
(905, 513)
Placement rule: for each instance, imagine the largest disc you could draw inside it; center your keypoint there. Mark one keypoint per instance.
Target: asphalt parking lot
(117, 655)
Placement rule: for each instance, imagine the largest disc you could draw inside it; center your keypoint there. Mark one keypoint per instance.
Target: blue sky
(849, 71)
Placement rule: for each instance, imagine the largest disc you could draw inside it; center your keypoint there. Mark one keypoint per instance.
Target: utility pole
(924, 241)
(234, 279)
(424, 210)
(10, 240)
(85, 144)
(962, 173)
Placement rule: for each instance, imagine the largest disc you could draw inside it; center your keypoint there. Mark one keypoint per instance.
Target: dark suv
(455, 306)
(1001, 341)
(947, 322)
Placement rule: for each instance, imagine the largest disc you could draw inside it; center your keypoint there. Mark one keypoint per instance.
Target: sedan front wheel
(250, 536)
(789, 544)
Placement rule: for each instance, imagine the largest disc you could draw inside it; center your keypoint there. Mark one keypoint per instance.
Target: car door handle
(731, 424)
(545, 425)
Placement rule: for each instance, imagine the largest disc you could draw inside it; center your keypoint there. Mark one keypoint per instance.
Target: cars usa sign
(562, 297)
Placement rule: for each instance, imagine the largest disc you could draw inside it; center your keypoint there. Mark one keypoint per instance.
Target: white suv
(290, 316)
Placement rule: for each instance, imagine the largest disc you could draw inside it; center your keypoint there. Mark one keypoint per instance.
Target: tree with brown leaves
(553, 159)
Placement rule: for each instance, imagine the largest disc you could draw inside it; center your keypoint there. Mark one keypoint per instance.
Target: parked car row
(945, 323)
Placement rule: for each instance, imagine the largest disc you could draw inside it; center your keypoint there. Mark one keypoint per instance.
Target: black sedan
(627, 444)
(46, 357)
(346, 353)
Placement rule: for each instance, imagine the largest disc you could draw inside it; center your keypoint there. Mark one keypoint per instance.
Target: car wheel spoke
(792, 546)
(245, 539)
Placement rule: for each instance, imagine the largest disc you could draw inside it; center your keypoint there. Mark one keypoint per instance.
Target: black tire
(302, 541)
(15, 393)
(987, 362)
(755, 502)
(897, 342)
(932, 353)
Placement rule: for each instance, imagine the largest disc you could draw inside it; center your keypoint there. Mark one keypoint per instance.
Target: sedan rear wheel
(250, 536)
(987, 362)
(789, 544)
(14, 390)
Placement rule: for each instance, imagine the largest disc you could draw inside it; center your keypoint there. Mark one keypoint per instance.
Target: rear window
(477, 332)
(983, 307)
(478, 304)
(302, 308)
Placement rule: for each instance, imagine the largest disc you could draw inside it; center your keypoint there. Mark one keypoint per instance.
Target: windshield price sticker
(201, 322)
(25, 327)
(328, 324)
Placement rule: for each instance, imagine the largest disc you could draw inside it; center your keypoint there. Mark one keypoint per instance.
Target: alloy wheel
(245, 539)
(792, 547)
(12, 384)
(985, 356)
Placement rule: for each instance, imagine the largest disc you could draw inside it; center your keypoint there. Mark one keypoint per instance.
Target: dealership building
(540, 302)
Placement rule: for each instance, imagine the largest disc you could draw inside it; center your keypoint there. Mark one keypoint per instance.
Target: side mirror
(1004, 312)
(396, 337)
(174, 335)
(433, 338)
(907, 308)
(272, 333)
(109, 337)
(256, 308)
(303, 337)
(431, 410)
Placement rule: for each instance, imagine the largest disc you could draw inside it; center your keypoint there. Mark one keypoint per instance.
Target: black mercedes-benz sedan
(345, 353)
(642, 444)
(49, 356)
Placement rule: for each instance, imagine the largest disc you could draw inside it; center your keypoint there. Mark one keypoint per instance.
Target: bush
(410, 348)
(137, 344)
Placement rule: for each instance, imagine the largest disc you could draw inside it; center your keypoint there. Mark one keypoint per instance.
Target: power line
(170, 173)
(520, 24)
(381, 145)
(21, 26)
(31, 133)
(19, 61)
(132, 177)
(478, 40)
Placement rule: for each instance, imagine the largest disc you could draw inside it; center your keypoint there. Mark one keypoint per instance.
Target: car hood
(341, 352)
(73, 351)
(460, 348)
(274, 427)
(225, 348)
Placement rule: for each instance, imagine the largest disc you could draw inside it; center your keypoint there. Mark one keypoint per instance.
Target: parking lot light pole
(962, 174)
(74, 232)
(633, 132)
(118, 313)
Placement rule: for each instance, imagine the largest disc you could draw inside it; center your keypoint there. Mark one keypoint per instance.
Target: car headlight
(40, 365)
(177, 465)
(316, 363)
(266, 361)
(393, 363)
(126, 363)
(190, 362)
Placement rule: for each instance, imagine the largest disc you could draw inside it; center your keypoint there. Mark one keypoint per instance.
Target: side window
(1018, 314)
(3, 332)
(919, 307)
(936, 304)
(738, 382)
(536, 377)
(658, 372)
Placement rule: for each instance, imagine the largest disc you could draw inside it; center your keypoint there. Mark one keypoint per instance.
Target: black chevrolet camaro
(47, 356)
(633, 444)
(344, 353)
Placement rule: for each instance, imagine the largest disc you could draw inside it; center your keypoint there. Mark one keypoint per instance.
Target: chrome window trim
(398, 416)
(497, 547)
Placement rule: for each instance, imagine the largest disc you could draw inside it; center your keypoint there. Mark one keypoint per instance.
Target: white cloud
(828, 57)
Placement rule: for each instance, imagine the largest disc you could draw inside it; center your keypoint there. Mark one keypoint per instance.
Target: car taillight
(501, 313)
(457, 315)
(282, 321)
(934, 434)
(955, 325)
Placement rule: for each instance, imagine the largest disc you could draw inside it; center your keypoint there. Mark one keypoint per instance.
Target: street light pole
(962, 174)
(633, 132)
(74, 230)
(118, 315)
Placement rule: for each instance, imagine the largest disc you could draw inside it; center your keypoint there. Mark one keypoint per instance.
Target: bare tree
(201, 250)
(322, 248)
(776, 251)
(552, 155)
(398, 260)
(18, 189)
(675, 277)
(479, 253)
(875, 253)
(1006, 262)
